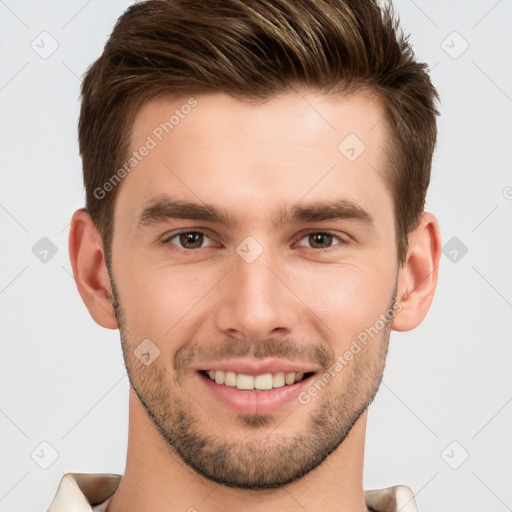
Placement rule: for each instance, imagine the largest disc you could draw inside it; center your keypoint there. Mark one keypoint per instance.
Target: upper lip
(257, 367)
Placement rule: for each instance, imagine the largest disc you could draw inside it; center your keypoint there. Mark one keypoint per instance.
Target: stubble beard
(254, 460)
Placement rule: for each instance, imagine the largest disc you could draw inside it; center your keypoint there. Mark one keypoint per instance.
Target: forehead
(310, 119)
(216, 149)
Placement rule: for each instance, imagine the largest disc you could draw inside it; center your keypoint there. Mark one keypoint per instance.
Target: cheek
(161, 300)
(159, 297)
(347, 298)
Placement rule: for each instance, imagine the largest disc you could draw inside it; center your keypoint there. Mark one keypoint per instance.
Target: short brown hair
(254, 49)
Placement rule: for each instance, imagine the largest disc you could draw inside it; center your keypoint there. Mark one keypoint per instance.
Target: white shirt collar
(89, 492)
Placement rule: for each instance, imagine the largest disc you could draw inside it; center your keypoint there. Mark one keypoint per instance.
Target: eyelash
(342, 242)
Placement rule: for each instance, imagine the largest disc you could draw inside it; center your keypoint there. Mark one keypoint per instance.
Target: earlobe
(89, 269)
(418, 276)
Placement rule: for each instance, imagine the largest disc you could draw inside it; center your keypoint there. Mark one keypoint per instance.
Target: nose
(256, 301)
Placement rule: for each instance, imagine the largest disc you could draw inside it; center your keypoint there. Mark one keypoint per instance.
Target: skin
(294, 302)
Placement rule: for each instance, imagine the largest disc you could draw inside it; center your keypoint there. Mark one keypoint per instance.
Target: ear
(90, 270)
(418, 276)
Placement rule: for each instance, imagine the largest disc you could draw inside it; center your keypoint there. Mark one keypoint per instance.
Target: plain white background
(442, 419)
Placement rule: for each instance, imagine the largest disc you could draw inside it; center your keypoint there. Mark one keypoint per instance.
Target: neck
(155, 475)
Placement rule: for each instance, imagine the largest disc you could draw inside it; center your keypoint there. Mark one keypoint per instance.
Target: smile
(262, 382)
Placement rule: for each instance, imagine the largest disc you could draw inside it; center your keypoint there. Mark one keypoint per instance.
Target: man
(255, 176)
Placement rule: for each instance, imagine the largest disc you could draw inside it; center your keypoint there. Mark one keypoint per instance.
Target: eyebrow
(165, 208)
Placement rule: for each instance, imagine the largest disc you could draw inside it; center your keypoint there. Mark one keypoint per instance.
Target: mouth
(261, 382)
(260, 394)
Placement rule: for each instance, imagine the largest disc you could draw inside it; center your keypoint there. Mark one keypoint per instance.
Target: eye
(322, 240)
(187, 240)
(190, 240)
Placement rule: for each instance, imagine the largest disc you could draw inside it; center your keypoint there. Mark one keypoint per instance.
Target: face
(238, 312)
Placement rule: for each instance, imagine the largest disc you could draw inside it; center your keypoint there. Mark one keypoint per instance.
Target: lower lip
(254, 402)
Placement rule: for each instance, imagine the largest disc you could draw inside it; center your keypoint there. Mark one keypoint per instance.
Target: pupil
(187, 238)
(317, 238)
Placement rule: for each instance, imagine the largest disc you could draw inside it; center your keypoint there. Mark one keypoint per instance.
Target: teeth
(289, 378)
(278, 380)
(261, 382)
(245, 381)
(230, 379)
